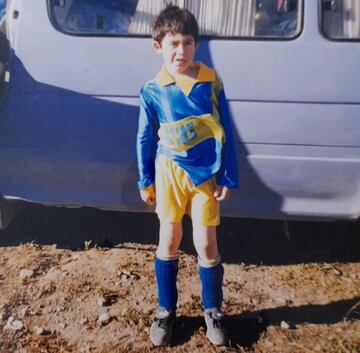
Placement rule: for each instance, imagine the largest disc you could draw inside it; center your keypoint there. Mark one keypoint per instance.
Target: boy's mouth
(180, 61)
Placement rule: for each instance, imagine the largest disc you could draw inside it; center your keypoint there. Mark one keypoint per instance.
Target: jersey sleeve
(228, 173)
(146, 142)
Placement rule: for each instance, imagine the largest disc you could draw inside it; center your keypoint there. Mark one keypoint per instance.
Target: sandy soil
(281, 295)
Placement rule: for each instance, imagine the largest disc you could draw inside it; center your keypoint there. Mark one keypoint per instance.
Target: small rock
(84, 321)
(102, 301)
(104, 319)
(141, 324)
(268, 344)
(149, 312)
(62, 325)
(13, 325)
(59, 309)
(284, 325)
(25, 273)
(24, 312)
(85, 349)
(39, 331)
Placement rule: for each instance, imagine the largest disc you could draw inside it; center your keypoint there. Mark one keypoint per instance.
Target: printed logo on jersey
(187, 133)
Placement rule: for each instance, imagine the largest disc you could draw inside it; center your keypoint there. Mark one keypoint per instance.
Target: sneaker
(215, 330)
(161, 328)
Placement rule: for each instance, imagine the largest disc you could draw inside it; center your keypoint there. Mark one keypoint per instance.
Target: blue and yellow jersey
(188, 122)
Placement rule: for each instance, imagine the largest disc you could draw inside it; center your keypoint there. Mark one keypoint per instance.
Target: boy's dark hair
(175, 20)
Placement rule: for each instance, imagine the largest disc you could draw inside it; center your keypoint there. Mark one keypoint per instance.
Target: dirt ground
(288, 287)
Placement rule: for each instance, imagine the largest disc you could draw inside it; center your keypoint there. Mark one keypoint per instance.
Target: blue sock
(166, 273)
(211, 280)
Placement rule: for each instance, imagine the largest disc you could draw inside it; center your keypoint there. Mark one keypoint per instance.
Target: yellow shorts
(176, 195)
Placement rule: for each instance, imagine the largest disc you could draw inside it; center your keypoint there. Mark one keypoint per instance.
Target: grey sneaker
(215, 330)
(161, 328)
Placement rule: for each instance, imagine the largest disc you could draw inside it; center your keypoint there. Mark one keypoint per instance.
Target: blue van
(71, 71)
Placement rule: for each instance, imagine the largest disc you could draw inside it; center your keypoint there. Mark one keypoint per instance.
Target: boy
(186, 162)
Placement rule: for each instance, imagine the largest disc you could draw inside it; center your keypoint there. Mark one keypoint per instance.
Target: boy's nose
(180, 48)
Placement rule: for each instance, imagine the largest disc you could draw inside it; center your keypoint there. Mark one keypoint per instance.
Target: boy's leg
(210, 268)
(171, 200)
(166, 269)
(166, 264)
(205, 214)
(211, 274)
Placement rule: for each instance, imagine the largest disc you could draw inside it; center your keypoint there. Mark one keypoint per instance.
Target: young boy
(187, 164)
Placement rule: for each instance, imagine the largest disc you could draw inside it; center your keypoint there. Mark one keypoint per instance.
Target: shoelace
(215, 322)
(162, 323)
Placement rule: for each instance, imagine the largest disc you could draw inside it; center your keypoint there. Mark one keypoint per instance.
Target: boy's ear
(157, 46)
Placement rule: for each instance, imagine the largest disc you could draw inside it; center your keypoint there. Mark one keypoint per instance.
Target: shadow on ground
(255, 241)
(245, 329)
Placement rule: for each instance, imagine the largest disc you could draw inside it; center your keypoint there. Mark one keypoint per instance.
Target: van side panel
(69, 118)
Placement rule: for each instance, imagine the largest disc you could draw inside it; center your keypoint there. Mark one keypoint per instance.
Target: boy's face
(178, 52)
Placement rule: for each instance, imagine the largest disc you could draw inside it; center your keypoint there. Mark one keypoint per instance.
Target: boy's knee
(206, 248)
(209, 262)
(170, 238)
(208, 253)
(168, 248)
(167, 254)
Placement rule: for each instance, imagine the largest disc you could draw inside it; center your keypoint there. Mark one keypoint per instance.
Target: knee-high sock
(166, 274)
(211, 281)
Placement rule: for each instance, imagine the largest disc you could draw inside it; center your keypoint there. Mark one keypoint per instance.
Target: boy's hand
(222, 193)
(148, 195)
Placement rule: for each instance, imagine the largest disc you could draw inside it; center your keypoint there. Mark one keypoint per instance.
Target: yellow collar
(205, 74)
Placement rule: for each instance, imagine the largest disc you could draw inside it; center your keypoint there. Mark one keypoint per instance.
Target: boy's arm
(228, 173)
(146, 143)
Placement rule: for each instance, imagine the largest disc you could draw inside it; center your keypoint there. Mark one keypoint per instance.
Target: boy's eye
(189, 42)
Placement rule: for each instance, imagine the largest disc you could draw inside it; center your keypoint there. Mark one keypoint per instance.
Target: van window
(341, 19)
(225, 18)
(2, 8)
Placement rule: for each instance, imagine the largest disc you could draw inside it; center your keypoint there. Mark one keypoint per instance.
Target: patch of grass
(33, 343)
(193, 306)
(129, 348)
(133, 317)
(109, 297)
(88, 244)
